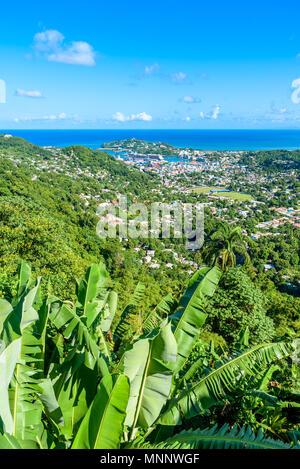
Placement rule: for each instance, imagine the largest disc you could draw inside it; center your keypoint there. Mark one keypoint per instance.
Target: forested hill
(48, 201)
(99, 162)
(10, 145)
(272, 159)
(75, 161)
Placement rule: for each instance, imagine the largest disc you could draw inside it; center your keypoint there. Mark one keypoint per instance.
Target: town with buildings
(263, 203)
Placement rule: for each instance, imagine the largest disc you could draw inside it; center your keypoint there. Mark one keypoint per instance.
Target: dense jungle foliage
(69, 379)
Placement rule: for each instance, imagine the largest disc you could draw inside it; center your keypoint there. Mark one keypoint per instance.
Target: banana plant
(191, 314)
(22, 336)
(83, 327)
(223, 380)
(217, 438)
(62, 384)
(149, 368)
(102, 427)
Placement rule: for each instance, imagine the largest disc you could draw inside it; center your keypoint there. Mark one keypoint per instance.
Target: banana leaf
(222, 438)
(89, 290)
(223, 380)
(66, 320)
(20, 369)
(75, 386)
(8, 441)
(191, 312)
(148, 366)
(102, 427)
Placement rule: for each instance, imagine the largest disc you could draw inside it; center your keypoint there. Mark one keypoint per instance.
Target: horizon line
(143, 130)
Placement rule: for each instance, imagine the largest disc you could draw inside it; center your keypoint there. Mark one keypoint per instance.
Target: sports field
(218, 192)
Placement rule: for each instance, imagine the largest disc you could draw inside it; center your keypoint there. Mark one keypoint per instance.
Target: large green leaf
(263, 380)
(21, 315)
(148, 366)
(223, 380)
(49, 401)
(5, 309)
(191, 312)
(109, 311)
(25, 389)
(8, 441)
(8, 360)
(75, 386)
(89, 289)
(102, 427)
(223, 438)
(66, 320)
(20, 368)
(24, 277)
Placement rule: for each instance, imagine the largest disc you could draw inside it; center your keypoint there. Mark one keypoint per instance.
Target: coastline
(207, 140)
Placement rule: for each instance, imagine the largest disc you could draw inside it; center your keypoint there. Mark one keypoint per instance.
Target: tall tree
(223, 246)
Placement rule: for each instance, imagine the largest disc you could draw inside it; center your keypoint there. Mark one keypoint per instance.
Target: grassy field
(215, 189)
(207, 189)
(235, 195)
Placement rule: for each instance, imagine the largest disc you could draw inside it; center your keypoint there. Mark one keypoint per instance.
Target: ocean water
(200, 139)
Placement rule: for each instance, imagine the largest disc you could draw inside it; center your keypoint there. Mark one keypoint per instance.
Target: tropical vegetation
(199, 352)
(74, 375)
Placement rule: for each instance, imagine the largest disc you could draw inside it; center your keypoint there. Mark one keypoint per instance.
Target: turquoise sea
(200, 139)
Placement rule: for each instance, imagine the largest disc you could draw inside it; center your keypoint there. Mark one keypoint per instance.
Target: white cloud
(28, 94)
(79, 53)
(48, 40)
(215, 112)
(142, 116)
(51, 44)
(187, 119)
(179, 77)
(50, 117)
(53, 117)
(213, 115)
(119, 116)
(191, 100)
(149, 69)
(296, 93)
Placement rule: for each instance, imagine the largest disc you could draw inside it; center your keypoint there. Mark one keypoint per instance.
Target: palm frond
(223, 380)
(220, 438)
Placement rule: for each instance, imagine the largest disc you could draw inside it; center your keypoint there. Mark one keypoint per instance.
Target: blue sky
(150, 64)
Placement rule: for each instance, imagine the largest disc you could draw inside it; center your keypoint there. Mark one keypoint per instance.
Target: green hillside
(48, 214)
